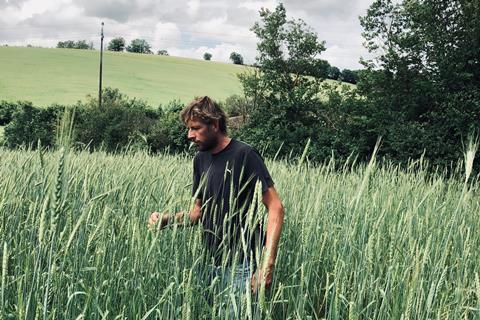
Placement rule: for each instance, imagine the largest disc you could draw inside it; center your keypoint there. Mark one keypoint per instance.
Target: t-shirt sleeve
(196, 179)
(256, 168)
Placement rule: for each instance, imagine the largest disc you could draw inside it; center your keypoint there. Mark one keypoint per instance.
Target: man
(226, 175)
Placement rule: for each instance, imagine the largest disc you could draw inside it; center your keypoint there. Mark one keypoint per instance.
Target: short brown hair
(205, 110)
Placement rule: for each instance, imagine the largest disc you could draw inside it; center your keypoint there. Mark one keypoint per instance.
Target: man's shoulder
(200, 156)
(243, 147)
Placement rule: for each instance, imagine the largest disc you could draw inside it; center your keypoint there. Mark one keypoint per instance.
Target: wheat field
(369, 241)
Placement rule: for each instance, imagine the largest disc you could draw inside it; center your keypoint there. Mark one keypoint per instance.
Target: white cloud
(166, 35)
(184, 27)
(257, 5)
(193, 6)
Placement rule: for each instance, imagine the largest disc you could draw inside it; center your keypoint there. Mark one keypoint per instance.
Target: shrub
(169, 131)
(6, 111)
(120, 122)
(236, 105)
(30, 125)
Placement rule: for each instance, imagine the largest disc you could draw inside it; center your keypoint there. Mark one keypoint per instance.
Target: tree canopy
(286, 104)
(117, 44)
(207, 56)
(139, 46)
(236, 58)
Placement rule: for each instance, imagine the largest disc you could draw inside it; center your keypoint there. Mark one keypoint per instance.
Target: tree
(334, 73)
(69, 44)
(285, 104)
(207, 56)
(162, 52)
(116, 44)
(349, 76)
(82, 44)
(139, 46)
(236, 58)
(423, 82)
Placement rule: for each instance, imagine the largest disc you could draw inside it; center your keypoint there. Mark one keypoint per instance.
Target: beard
(210, 142)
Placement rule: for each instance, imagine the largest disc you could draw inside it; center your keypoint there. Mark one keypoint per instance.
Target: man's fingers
(261, 277)
(153, 219)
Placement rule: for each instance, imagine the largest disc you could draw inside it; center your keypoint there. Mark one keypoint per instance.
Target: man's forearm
(179, 218)
(274, 229)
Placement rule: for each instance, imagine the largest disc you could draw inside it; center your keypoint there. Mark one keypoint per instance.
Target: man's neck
(222, 144)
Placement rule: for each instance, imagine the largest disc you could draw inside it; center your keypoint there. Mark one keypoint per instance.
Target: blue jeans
(229, 288)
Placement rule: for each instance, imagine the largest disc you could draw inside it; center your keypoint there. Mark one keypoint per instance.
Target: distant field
(46, 76)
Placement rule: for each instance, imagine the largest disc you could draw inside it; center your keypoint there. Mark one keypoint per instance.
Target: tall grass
(370, 242)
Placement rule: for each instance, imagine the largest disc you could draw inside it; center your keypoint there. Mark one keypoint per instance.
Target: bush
(119, 123)
(169, 131)
(6, 111)
(30, 125)
(236, 105)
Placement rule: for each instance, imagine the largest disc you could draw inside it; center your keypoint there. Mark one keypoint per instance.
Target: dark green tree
(29, 125)
(116, 44)
(207, 56)
(349, 76)
(7, 109)
(236, 58)
(162, 52)
(334, 73)
(286, 105)
(139, 46)
(424, 80)
(69, 44)
(82, 44)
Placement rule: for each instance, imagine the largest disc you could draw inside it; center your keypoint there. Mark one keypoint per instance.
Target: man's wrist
(164, 219)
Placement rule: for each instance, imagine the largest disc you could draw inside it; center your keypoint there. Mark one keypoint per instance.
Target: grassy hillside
(46, 76)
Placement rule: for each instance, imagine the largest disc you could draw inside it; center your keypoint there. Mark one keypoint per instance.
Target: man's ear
(215, 126)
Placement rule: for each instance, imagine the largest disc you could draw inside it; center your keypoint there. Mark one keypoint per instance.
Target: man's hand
(262, 275)
(152, 221)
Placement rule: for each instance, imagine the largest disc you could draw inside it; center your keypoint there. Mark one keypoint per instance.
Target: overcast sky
(185, 28)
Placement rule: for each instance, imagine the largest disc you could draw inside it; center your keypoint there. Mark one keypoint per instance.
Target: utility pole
(100, 80)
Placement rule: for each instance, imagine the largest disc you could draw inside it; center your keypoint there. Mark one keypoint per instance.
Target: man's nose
(190, 135)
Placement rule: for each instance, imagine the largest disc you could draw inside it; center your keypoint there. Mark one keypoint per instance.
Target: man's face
(203, 135)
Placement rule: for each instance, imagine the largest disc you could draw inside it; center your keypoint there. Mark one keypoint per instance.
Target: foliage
(70, 44)
(286, 105)
(349, 76)
(334, 73)
(207, 56)
(236, 58)
(30, 125)
(119, 123)
(169, 131)
(162, 52)
(423, 82)
(236, 105)
(6, 111)
(116, 44)
(139, 46)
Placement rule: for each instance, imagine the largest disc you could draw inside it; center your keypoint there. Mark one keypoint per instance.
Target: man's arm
(276, 214)
(194, 217)
(274, 224)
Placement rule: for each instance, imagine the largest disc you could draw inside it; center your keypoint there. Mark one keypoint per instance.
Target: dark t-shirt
(225, 182)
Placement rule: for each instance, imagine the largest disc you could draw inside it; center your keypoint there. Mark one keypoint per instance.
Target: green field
(374, 242)
(46, 76)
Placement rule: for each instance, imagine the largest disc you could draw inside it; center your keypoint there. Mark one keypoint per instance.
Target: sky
(186, 28)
